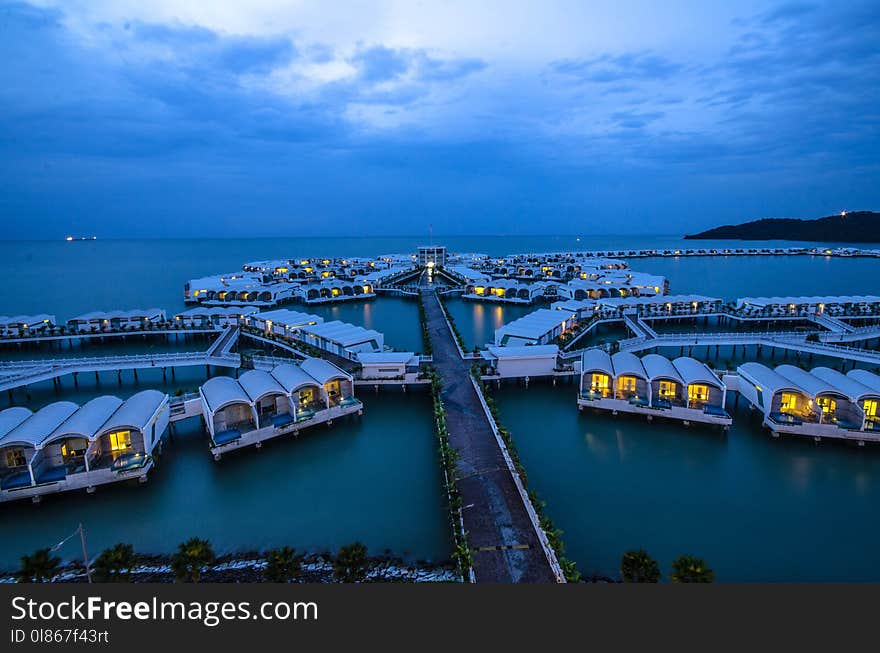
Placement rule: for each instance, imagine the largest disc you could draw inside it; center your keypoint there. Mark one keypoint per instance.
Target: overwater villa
(25, 325)
(97, 321)
(66, 447)
(870, 400)
(213, 317)
(799, 306)
(263, 405)
(863, 399)
(330, 290)
(683, 389)
(336, 337)
(816, 404)
(540, 327)
(520, 361)
(656, 307)
(398, 365)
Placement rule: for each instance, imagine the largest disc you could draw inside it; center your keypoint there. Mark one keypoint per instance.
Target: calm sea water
(373, 479)
(755, 508)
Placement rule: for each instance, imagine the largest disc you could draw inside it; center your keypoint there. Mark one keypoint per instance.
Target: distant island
(845, 227)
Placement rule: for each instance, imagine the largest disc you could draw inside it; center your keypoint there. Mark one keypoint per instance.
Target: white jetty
(262, 405)
(683, 389)
(66, 447)
(822, 403)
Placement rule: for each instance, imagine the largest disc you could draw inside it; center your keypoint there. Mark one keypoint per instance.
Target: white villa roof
(829, 299)
(390, 357)
(150, 313)
(323, 371)
(208, 311)
(523, 351)
(88, 420)
(597, 359)
(693, 371)
(292, 376)
(533, 325)
(625, 362)
(345, 334)
(222, 391)
(866, 378)
(290, 319)
(660, 367)
(137, 410)
(6, 320)
(12, 417)
(40, 424)
(813, 385)
(257, 384)
(846, 385)
(768, 380)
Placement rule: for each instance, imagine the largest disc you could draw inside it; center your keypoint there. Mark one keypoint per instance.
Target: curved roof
(35, 428)
(625, 362)
(866, 378)
(813, 385)
(292, 376)
(660, 367)
(257, 384)
(694, 371)
(88, 420)
(12, 417)
(846, 385)
(222, 391)
(596, 360)
(136, 411)
(769, 380)
(322, 371)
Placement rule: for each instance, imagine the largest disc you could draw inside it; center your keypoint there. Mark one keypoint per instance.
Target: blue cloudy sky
(180, 118)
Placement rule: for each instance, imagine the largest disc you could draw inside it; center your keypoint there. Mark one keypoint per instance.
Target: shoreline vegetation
(846, 227)
(195, 562)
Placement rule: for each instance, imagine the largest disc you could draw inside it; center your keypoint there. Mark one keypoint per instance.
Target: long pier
(501, 524)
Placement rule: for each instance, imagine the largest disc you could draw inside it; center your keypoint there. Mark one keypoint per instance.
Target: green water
(755, 508)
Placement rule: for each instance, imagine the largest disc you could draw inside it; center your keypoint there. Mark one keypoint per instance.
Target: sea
(754, 508)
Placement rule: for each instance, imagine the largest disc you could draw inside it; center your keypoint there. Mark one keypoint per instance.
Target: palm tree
(637, 566)
(39, 567)
(191, 557)
(115, 564)
(690, 569)
(350, 565)
(283, 565)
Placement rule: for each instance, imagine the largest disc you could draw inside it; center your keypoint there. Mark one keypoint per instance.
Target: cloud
(611, 68)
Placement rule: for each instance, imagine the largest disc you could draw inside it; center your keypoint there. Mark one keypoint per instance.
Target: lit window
(788, 403)
(667, 389)
(599, 382)
(120, 441)
(698, 392)
(827, 404)
(626, 383)
(870, 407)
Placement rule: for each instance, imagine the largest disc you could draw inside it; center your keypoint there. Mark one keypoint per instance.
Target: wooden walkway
(500, 532)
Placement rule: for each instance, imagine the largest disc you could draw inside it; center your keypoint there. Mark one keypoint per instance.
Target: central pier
(501, 533)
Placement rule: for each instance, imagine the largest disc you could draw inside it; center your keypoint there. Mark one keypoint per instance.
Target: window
(15, 457)
(667, 389)
(120, 440)
(698, 392)
(788, 403)
(626, 384)
(73, 448)
(827, 404)
(599, 382)
(870, 407)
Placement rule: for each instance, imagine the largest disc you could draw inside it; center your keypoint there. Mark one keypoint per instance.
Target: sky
(180, 118)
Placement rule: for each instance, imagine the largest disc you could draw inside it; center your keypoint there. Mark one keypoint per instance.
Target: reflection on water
(755, 508)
